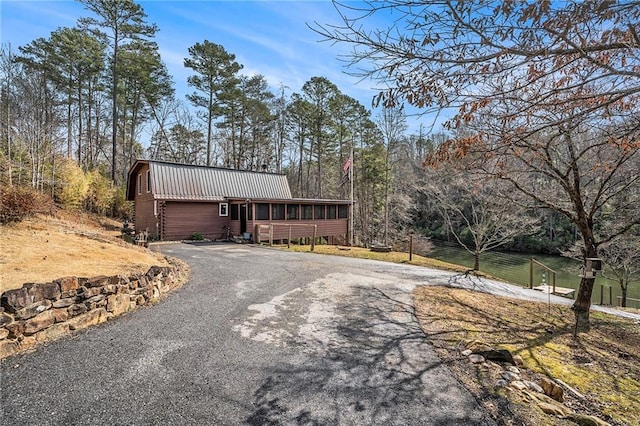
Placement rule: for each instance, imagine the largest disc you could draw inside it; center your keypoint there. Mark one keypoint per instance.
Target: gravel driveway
(258, 336)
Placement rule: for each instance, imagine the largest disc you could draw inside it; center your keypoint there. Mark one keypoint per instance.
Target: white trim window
(139, 184)
(149, 180)
(223, 209)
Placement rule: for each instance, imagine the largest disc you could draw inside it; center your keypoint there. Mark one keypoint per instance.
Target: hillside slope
(44, 248)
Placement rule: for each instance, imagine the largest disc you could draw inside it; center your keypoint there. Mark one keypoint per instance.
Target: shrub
(196, 236)
(17, 203)
(72, 185)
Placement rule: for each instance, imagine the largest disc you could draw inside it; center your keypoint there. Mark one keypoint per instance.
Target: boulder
(16, 329)
(75, 310)
(16, 299)
(68, 283)
(90, 292)
(118, 303)
(5, 319)
(476, 359)
(99, 281)
(33, 309)
(585, 420)
(7, 348)
(39, 322)
(61, 315)
(64, 303)
(556, 409)
(90, 318)
(43, 291)
(551, 389)
(534, 386)
(4, 333)
(52, 333)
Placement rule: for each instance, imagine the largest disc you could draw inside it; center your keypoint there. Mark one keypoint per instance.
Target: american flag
(347, 164)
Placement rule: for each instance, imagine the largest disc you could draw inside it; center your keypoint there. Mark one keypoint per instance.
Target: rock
(61, 315)
(517, 384)
(95, 299)
(509, 376)
(110, 289)
(513, 369)
(476, 359)
(118, 303)
(43, 291)
(90, 292)
(554, 409)
(75, 310)
(551, 389)
(5, 319)
(498, 355)
(64, 303)
(466, 352)
(33, 310)
(534, 386)
(99, 281)
(90, 318)
(16, 329)
(4, 333)
(584, 420)
(16, 299)
(7, 348)
(52, 333)
(517, 359)
(140, 300)
(68, 284)
(39, 322)
(69, 293)
(501, 383)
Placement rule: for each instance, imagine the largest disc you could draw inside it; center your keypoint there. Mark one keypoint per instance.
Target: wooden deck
(560, 291)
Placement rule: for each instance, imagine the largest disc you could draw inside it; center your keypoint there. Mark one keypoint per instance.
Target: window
(249, 211)
(262, 211)
(342, 212)
(331, 212)
(223, 209)
(307, 212)
(139, 184)
(235, 215)
(149, 180)
(318, 212)
(292, 211)
(277, 211)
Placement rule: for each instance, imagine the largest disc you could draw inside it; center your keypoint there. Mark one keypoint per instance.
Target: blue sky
(268, 37)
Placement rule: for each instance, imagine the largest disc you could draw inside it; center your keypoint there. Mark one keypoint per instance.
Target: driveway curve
(257, 336)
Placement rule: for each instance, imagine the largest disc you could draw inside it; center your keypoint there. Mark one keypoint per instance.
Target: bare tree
(475, 211)
(622, 260)
(550, 88)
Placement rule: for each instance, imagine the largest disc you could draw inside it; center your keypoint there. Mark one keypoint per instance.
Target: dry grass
(44, 248)
(363, 253)
(603, 365)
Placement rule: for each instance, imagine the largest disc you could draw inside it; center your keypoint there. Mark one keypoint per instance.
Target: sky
(268, 37)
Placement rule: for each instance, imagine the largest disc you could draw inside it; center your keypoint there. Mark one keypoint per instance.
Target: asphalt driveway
(258, 336)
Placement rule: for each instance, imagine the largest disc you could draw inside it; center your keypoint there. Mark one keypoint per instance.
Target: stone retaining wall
(38, 313)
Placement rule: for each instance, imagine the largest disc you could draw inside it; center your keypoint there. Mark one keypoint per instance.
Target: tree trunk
(623, 294)
(476, 261)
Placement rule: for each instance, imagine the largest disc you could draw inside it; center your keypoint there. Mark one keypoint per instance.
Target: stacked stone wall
(38, 313)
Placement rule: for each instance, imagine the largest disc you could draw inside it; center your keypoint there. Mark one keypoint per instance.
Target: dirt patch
(44, 248)
(602, 365)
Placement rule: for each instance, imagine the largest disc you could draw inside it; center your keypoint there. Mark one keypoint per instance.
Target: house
(174, 201)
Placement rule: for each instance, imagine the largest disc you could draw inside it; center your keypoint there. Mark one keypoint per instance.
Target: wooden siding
(144, 218)
(182, 219)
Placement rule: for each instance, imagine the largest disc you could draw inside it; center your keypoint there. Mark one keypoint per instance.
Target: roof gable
(173, 181)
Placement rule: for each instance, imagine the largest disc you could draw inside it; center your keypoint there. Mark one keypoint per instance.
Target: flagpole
(351, 197)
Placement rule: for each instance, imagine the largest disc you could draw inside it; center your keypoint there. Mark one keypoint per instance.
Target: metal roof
(173, 181)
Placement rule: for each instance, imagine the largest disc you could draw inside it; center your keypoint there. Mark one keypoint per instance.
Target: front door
(243, 218)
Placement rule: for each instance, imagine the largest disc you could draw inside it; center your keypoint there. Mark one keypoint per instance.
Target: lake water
(514, 268)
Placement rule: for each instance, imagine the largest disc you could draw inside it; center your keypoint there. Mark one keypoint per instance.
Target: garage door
(181, 220)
